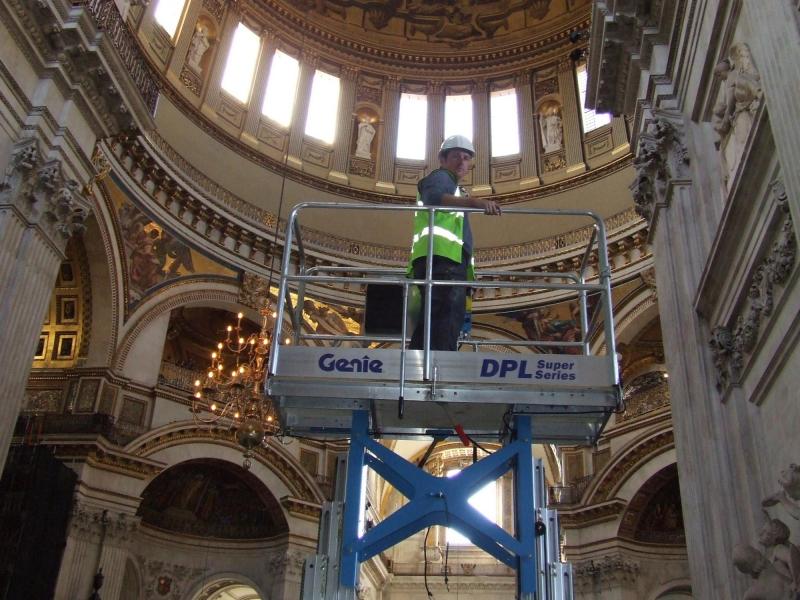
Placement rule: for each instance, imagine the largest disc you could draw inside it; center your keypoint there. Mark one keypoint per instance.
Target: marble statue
(769, 584)
(552, 133)
(789, 495)
(783, 555)
(740, 96)
(366, 132)
(197, 48)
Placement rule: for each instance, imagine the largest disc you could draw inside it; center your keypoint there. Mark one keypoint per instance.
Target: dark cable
(425, 554)
(446, 567)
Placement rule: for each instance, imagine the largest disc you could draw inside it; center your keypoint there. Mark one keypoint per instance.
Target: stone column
(268, 48)
(215, 81)
(527, 129)
(775, 28)
(344, 125)
(391, 113)
(308, 66)
(435, 125)
(571, 117)
(40, 209)
(480, 125)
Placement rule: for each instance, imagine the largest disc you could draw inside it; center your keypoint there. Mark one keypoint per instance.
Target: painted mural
(153, 255)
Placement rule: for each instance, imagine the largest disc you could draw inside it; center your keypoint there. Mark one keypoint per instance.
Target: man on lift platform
(452, 242)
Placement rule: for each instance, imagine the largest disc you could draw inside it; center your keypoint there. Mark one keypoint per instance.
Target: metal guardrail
(572, 282)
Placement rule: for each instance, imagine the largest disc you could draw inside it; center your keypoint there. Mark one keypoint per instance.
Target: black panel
(384, 310)
(36, 493)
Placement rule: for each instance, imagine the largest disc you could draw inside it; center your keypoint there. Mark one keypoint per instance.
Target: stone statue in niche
(739, 99)
(552, 132)
(197, 48)
(783, 555)
(366, 133)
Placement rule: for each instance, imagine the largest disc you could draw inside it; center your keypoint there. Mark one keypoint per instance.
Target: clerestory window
(323, 107)
(412, 126)
(168, 14)
(458, 116)
(504, 122)
(281, 92)
(240, 68)
(591, 119)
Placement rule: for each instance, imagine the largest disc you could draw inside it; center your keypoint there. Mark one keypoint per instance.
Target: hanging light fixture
(230, 391)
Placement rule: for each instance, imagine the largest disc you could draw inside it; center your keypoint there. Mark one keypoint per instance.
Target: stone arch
(632, 466)
(192, 292)
(677, 589)
(274, 466)
(228, 581)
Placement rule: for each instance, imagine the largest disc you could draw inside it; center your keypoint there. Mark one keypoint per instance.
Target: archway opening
(228, 589)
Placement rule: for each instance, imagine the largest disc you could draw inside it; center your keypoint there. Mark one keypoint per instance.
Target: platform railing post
(348, 576)
(524, 508)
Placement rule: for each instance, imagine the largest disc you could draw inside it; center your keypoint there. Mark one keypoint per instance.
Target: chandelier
(231, 391)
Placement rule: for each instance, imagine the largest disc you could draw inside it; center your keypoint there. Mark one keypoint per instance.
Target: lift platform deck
(316, 383)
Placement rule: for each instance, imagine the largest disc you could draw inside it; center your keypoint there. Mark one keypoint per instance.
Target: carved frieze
(93, 524)
(166, 580)
(731, 343)
(662, 158)
(605, 572)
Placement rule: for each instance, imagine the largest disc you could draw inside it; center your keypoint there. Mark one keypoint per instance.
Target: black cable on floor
(425, 554)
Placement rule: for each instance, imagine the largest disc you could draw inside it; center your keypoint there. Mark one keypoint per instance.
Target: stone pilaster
(480, 125)
(571, 117)
(40, 209)
(308, 66)
(344, 125)
(268, 48)
(391, 113)
(527, 129)
(775, 28)
(214, 92)
(619, 134)
(96, 539)
(435, 125)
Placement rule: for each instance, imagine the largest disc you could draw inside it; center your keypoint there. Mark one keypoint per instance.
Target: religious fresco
(153, 255)
(211, 499)
(662, 519)
(455, 22)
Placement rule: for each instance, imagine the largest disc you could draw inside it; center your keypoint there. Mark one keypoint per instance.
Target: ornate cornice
(576, 518)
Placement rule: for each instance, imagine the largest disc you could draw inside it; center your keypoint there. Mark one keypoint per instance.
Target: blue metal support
(441, 501)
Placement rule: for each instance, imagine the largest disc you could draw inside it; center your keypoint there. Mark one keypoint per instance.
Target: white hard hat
(457, 141)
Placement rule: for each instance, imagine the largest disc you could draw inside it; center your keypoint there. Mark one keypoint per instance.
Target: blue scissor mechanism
(381, 390)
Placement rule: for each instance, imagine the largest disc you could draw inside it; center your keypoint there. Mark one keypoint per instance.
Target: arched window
(168, 14)
(323, 106)
(484, 501)
(240, 68)
(591, 119)
(458, 116)
(504, 122)
(412, 127)
(281, 88)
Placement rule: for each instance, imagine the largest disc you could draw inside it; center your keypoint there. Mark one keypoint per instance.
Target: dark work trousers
(448, 304)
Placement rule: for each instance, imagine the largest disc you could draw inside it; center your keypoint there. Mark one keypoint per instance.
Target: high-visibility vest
(448, 235)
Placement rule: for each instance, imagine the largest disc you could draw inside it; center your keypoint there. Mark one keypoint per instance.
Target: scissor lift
(389, 392)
